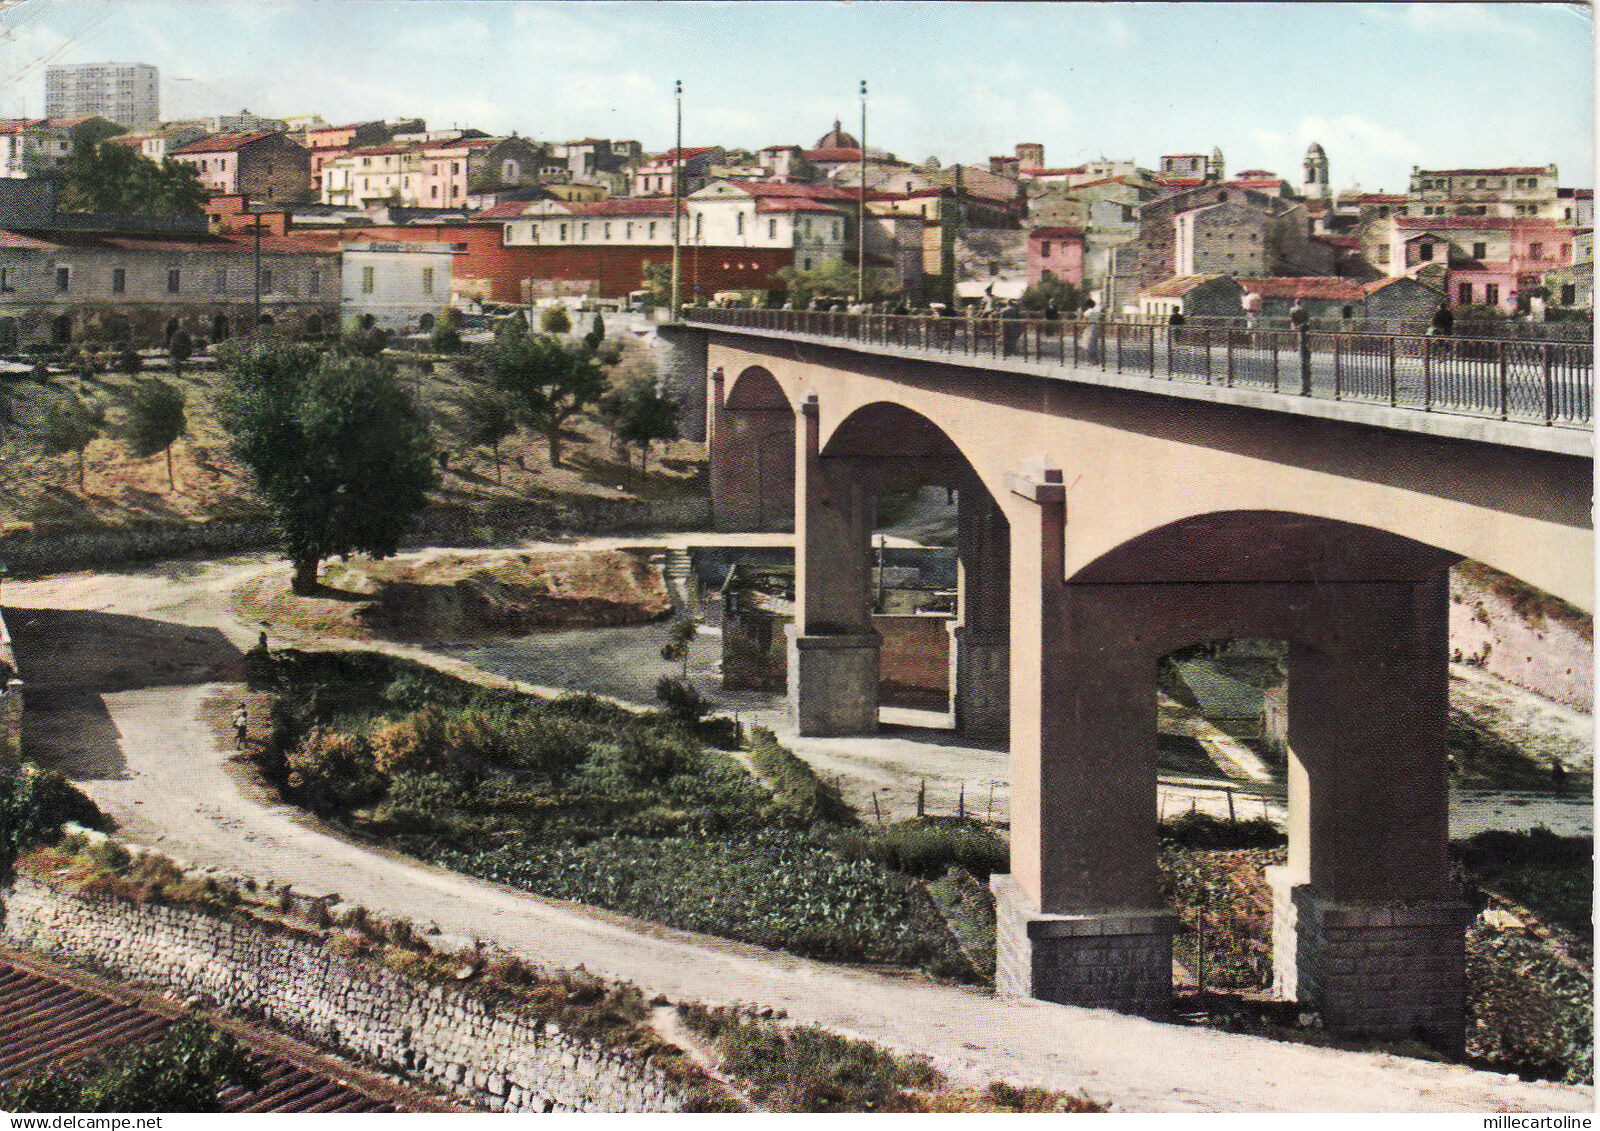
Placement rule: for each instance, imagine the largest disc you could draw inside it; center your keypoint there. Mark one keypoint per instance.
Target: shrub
(929, 846)
(8, 335)
(554, 319)
(331, 770)
(446, 334)
(34, 806)
(681, 700)
(129, 360)
(185, 1070)
(795, 785)
(1201, 830)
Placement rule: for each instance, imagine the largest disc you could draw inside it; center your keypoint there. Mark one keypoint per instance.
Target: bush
(129, 361)
(1200, 830)
(185, 1070)
(446, 334)
(793, 782)
(8, 335)
(33, 807)
(554, 319)
(681, 700)
(929, 846)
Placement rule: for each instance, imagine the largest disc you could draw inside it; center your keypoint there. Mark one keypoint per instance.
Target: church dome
(836, 138)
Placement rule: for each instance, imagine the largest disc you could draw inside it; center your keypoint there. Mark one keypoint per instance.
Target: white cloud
(1465, 19)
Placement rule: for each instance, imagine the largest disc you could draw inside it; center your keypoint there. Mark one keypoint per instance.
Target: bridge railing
(1544, 382)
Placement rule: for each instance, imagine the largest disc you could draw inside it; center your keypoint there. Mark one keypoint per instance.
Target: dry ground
(37, 487)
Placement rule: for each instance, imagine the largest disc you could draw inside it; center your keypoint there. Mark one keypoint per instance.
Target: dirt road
(133, 729)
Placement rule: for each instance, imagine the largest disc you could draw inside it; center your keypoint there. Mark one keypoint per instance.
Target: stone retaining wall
(488, 1056)
(51, 549)
(10, 702)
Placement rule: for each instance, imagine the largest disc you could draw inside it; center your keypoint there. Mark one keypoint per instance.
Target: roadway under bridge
(1125, 491)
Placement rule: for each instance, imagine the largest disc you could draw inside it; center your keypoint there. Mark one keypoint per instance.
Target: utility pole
(677, 203)
(255, 325)
(861, 206)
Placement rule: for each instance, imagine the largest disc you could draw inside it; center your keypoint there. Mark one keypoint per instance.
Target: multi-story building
(243, 122)
(1573, 285)
(1482, 259)
(128, 94)
(107, 278)
(393, 285)
(656, 177)
(265, 166)
(1056, 251)
(158, 144)
(1577, 206)
(1186, 170)
(1225, 229)
(373, 174)
(1521, 191)
(29, 146)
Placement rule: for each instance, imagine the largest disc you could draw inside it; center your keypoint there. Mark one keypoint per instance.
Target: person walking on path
(241, 725)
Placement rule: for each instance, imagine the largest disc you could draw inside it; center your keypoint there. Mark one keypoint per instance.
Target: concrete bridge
(1211, 490)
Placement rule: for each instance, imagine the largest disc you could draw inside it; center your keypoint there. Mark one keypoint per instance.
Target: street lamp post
(861, 206)
(677, 204)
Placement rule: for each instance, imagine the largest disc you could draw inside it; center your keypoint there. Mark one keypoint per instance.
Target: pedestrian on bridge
(1298, 316)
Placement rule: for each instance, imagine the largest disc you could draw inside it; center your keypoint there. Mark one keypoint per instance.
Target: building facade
(264, 166)
(29, 146)
(128, 94)
(1521, 191)
(394, 286)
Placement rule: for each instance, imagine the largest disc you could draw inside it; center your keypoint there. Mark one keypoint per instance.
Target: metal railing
(1538, 382)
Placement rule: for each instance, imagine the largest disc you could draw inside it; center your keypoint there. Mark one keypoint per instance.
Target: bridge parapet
(1530, 394)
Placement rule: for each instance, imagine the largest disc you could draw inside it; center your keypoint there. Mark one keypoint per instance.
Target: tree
(548, 380)
(179, 350)
(103, 176)
(155, 420)
(554, 319)
(657, 280)
(489, 418)
(646, 414)
(333, 445)
(71, 427)
(1051, 291)
(676, 648)
(835, 277)
(446, 335)
(596, 334)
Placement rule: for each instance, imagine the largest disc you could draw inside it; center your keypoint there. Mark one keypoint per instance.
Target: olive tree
(156, 420)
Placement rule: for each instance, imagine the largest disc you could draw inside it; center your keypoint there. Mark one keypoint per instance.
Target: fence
(1544, 382)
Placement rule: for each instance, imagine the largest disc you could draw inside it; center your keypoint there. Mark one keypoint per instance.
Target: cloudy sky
(1381, 86)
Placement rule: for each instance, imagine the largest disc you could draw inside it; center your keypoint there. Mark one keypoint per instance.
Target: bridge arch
(751, 440)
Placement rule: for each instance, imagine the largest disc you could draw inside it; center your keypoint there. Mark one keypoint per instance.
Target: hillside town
(525, 221)
(493, 620)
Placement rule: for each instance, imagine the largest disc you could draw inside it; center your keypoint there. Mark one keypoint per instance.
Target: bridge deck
(1525, 394)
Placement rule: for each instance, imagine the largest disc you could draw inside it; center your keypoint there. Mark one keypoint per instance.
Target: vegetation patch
(576, 799)
(184, 1069)
(794, 783)
(33, 807)
(1533, 605)
(809, 1069)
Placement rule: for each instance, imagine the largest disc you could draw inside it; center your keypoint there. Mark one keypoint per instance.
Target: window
(772, 229)
(807, 267)
(1464, 292)
(314, 284)
(455, 167)
(652, 229)
(1491, 293)
(627, 230)
(433, 192)
(510, 171)
(738, 223)
(1044, 249)
(174, 280)
(563, 231)
(427, 280)
(202, 166)
(1480, 250)
(119, 280)
(1483, 182)
(1536, 250)
(1569, 293)
(1425, 251)
(1566, 252)
(1383, 253)
(266, 282)
(63, 279)
(607, 232)
(6, 280)
(367, 280)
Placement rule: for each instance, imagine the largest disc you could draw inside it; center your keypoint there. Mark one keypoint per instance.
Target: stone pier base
(1392, 970)
(833, 683)
(982, 683)
(1119, 960)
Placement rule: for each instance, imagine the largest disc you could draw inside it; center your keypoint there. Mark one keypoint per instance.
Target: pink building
(1058, 251)
(1489, 259)
(445, 169)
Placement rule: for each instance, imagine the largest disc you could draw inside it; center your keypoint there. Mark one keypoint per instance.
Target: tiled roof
(1575, 193)
(1521, 170)
(625, 206)
(1177, 286)
(1055, 233)
(1350, 242)
(1293, 286)
(24, 243)
(18, 125)
(789, 204)
(807, 192)
(507, 210)
(832, 156)
(1378, 284)
(1481, 223)
(220, 143)
(379, 150)
(686, 152)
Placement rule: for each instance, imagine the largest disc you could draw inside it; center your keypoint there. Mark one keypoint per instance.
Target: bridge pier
(1079, 919)
(981, 638)
(833, 649)
(1366, 925)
